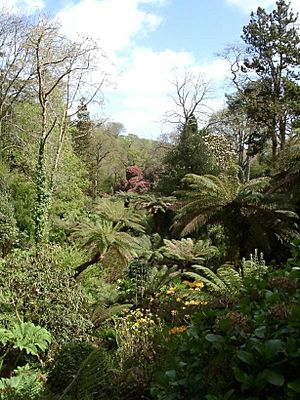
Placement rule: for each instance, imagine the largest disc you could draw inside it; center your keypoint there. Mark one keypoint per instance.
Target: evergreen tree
(189, 155)
(82, 133)
(273, 55)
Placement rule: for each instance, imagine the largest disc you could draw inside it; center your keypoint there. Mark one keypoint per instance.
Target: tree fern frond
(209, 284)
(119, 215)
(257, 185)
(101, 313)
(194, 224)
(238, 207)
(210, 276)
(160, 277)
(92, 377)
(187, 250)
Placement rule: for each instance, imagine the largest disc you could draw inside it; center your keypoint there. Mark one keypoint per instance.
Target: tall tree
(191, 93)
(16, 73)
(273, 57)
(189, 155)
(82, 132)
(62, 68)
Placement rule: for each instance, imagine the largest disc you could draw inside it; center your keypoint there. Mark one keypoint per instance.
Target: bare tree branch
(191, 93)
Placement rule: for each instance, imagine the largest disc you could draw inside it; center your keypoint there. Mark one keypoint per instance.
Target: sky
(150, 42)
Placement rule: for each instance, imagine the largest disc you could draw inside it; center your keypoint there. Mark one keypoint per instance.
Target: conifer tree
(189, 155)
(81, 135)
(273, 57)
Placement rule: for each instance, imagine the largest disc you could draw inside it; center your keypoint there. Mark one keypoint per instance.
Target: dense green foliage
(139, 269)
(247, 349)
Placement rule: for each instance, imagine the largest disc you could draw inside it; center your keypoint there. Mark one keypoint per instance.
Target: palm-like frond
(102, 313)
(208, 187)
(159, 278)
(253, 191)
(119, 215)
(204, 196)
(211, 280)
(92, 376)
(152, 203)
(250, 214)
(187, 250)
(226, 282)
(100, 235)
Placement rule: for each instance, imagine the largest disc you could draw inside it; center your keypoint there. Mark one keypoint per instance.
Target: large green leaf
(29, 337)
(273, 377)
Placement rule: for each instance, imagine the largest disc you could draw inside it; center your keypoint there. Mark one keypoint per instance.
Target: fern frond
(160, 277)
(209, 285)
(212, 281)
(101, 313)
(92, 377)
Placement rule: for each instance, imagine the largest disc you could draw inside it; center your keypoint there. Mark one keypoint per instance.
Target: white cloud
(23, 6)
(114, 23)
(144, 90)
(251, 5)
(143, 87)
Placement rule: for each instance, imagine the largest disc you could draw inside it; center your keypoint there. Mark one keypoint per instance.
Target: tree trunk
(82, 267)
(282, 135)
(241, 147)
(42, 198)
(247, 168)
(274, 146)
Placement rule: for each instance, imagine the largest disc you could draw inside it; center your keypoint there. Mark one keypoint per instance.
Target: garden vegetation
(138, 269)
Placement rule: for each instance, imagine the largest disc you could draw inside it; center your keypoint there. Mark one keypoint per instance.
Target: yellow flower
(178, 299)
(196, 285)
(195, 303)
(171, 290)
(177, 329)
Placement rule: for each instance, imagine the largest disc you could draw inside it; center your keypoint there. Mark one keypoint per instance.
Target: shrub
(37, 287)
(248, 349)
(21, 346)
(67, 363)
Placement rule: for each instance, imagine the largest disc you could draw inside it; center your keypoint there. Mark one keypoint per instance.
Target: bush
(245, 350)
(21, 348)
(38, 287)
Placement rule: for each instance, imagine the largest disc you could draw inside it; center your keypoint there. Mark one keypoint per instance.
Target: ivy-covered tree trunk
(60, 66)
(43, 196)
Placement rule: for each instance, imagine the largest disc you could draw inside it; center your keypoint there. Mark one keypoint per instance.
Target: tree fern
(159, 278)
(123, 218)
(101, 236)
(251, 216)
(187, 251)
(227, 281)
(101, 313)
